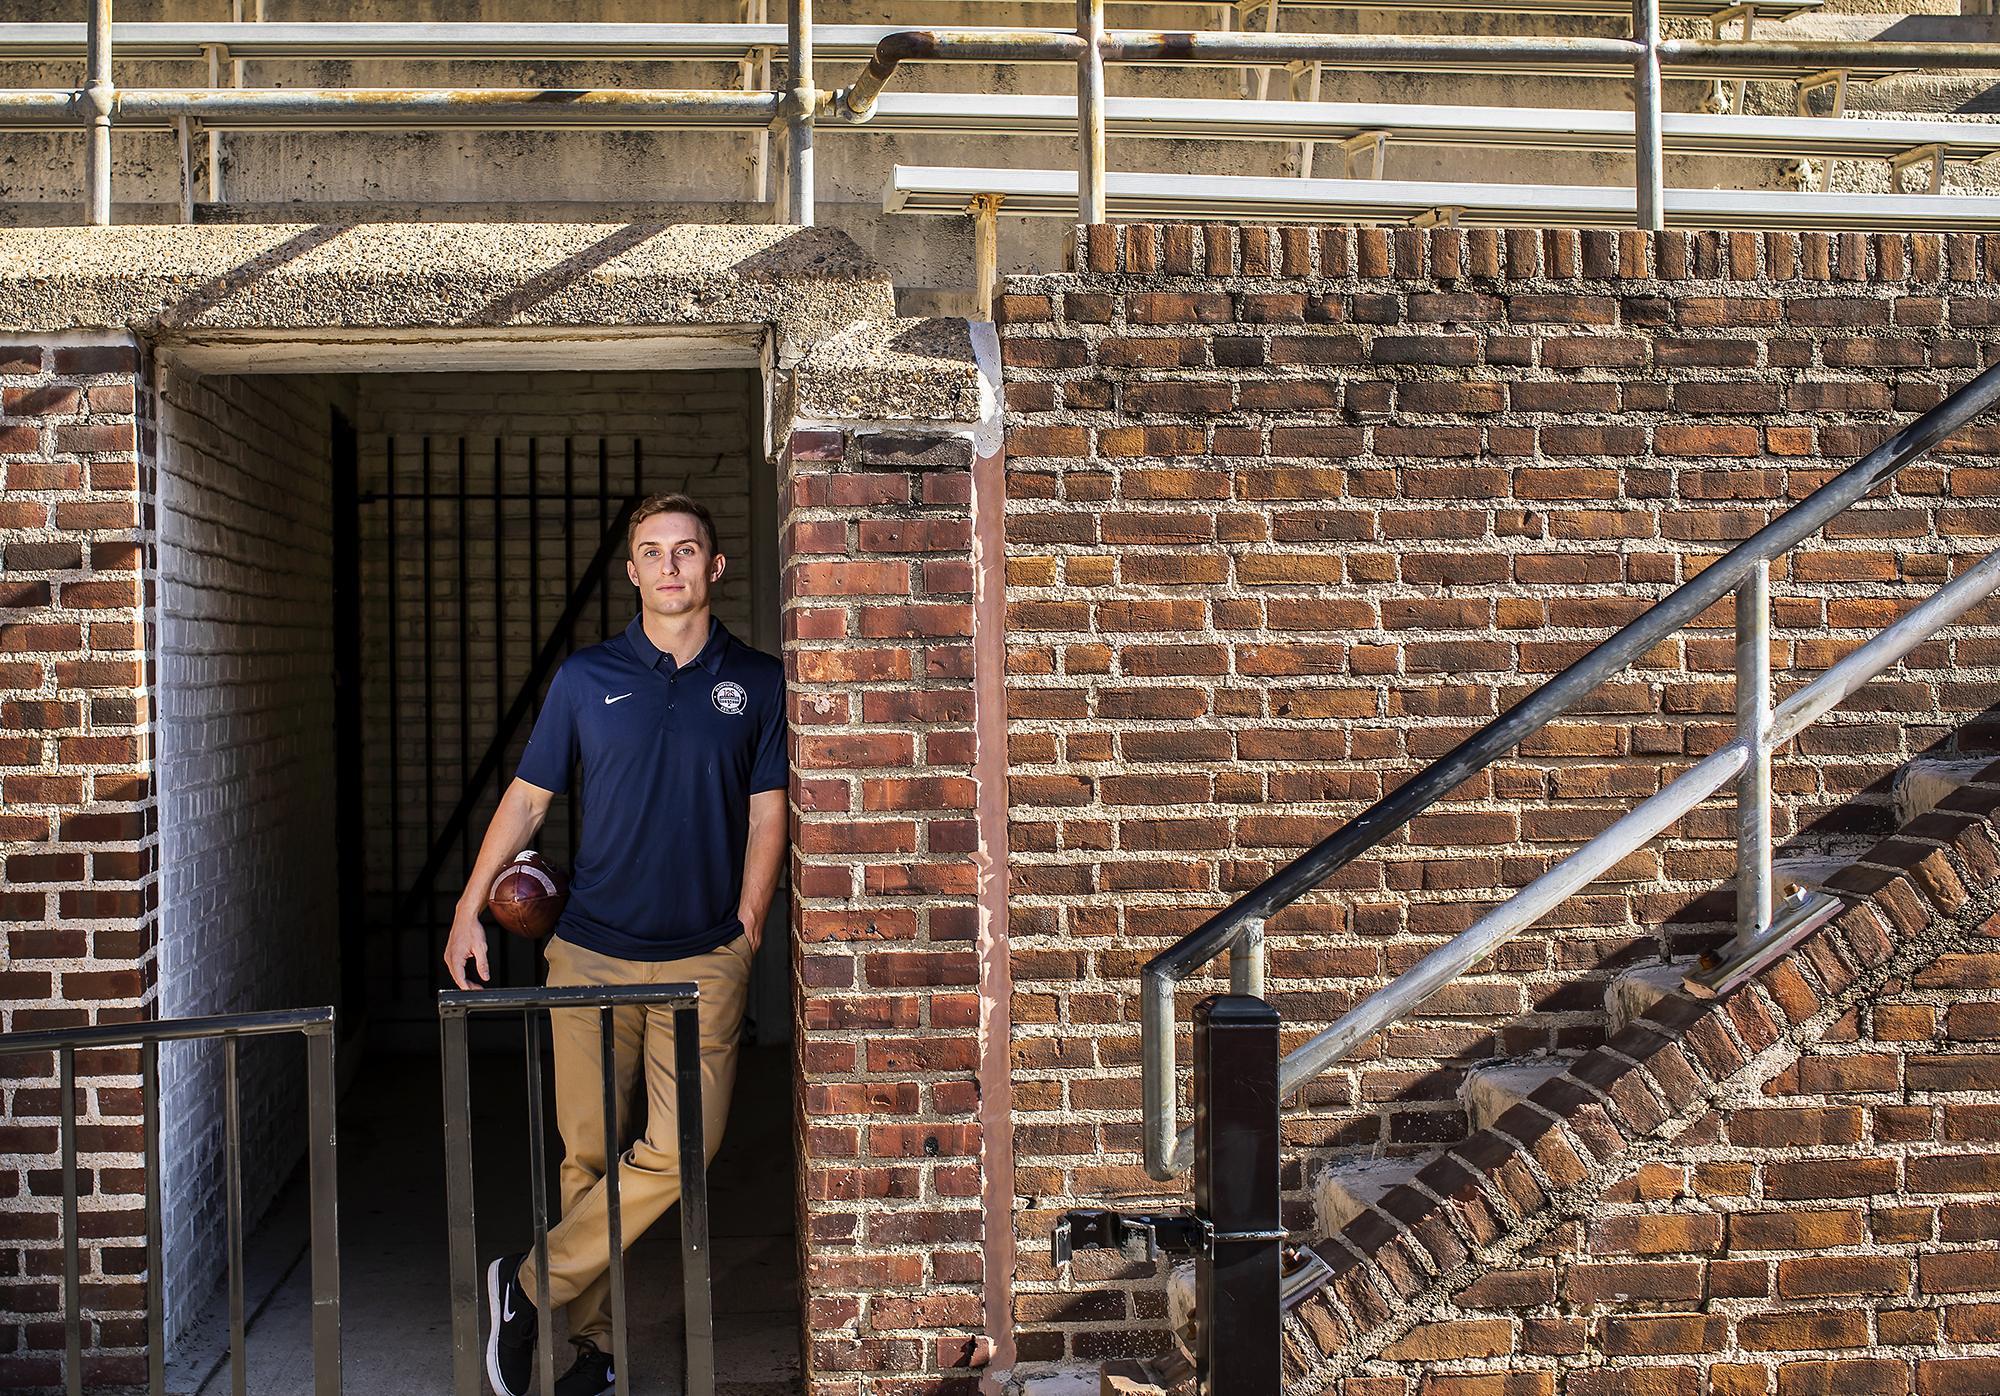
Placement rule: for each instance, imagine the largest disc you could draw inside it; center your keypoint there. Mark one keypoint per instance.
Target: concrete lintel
(172, 283)
(584, 348)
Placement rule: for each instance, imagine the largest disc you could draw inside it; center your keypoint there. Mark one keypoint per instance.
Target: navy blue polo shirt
(668, 757)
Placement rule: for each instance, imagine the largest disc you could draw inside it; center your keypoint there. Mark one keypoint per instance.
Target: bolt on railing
(317, 1027)
(1762, 931)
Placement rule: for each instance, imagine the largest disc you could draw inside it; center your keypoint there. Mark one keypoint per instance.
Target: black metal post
(614, 1158)
(461, 1227)
(1236, 1194)
(695, 1251)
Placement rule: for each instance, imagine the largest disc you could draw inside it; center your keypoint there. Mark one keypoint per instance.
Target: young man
(677, 731)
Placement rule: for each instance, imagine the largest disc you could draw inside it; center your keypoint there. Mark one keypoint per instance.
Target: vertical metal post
(184, 136)
(1246, 961)
(985, 211)
(798, 123)
(156, 1288)
(322, 1094)
(613, 1157)
(465, 1351)
(538, 1186)
(232, 1168)
(215, 137)
(1090, 112)
(97, 98)
(1270, 27)
(1753, 786)
(1648, 180)
(694, 1204)
(72, 1259)
(1236, 1193)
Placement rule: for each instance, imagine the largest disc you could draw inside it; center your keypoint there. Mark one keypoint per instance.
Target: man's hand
(520, 813)
(761, 856)
(467, 942)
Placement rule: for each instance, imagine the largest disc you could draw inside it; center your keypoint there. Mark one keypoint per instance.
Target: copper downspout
(989, 772)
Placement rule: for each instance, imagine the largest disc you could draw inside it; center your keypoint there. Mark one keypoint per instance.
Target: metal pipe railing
(1645, 55)
(455, 1006)
(800, 104)
(96, 101)
(1233, 927)
(317, 1026)
(1090, 112)
(99, 105)
(1648, 176)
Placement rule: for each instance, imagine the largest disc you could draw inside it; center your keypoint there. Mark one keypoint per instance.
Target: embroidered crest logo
(729, 697)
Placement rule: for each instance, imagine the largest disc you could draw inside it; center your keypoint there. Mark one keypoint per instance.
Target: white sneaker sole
(494, 1284)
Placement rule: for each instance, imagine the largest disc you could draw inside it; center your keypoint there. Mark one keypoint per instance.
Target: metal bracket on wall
(1135, 1235)
(1378, 141)
(1899, 163)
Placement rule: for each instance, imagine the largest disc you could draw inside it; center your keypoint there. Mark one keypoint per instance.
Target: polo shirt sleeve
(552, 748)
(771, 771)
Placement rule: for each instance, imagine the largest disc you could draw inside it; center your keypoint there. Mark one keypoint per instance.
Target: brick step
(1920, 785)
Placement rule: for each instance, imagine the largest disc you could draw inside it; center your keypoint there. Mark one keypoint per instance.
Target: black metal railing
(455, 1006)
(317, 1027)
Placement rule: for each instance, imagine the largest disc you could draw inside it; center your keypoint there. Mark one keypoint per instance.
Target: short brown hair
(657, 504)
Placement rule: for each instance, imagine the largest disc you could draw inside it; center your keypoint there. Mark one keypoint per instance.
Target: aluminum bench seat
(1517, 128)
(1606, 9)
(1169, 197)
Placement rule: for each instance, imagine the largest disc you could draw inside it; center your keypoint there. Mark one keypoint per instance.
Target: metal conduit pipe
(1828, 54)
(1649, 178)
(1090, 112)
(97, 94)
(800, 102)
(857, 103)
(348, 109)
(1277, 50)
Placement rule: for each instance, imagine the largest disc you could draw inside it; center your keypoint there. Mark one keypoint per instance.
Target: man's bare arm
(769, 817)
(522, 809)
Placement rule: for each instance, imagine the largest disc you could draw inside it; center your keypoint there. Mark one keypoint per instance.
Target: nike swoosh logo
(507, 1308)
(609, 700)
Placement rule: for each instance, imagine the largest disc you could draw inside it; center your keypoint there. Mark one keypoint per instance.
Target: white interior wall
(246, 772)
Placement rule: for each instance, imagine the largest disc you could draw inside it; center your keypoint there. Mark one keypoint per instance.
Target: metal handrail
(99, 104)
(1240, 927)
(317, 1026)
(455, 1006)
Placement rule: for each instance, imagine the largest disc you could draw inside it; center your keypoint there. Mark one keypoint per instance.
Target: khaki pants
(649, 1178)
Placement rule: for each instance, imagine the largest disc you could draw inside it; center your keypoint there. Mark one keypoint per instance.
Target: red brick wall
(1293, 511)
(1820, 1219)
(877, 628)
(78, 821)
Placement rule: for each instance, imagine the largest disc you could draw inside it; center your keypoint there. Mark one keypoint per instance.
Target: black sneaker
(511, 1326)
(590, 1375)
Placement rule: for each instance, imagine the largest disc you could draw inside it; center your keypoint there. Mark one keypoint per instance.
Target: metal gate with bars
(494, 560)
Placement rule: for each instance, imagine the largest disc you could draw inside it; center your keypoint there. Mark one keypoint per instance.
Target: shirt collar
(648, 654)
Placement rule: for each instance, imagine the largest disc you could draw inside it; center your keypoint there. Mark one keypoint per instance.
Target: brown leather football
(529, 895)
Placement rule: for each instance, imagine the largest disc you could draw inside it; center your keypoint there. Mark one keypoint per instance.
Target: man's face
(672, 566)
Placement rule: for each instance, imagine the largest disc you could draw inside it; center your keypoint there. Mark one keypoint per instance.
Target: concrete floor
(395, 1311)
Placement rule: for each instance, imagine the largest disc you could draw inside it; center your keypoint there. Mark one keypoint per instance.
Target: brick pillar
(78, 819)
(877, 628)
